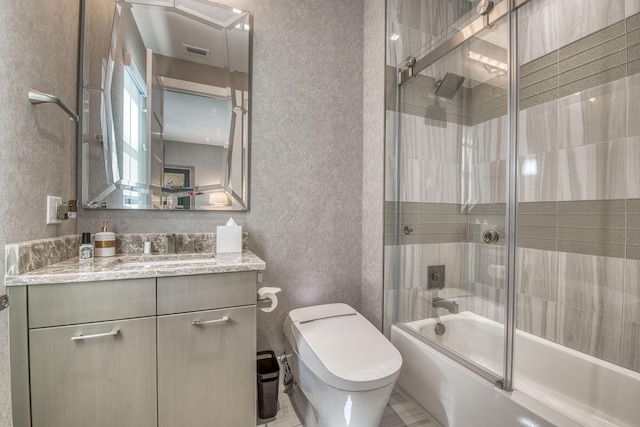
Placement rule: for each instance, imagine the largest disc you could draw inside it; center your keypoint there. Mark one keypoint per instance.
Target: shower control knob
(408, 229)
(490, 236)
(484, 7)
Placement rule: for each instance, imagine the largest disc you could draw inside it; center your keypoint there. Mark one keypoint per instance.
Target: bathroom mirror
(165, 115)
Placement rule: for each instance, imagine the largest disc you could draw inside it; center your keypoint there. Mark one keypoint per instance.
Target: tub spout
(451, 306)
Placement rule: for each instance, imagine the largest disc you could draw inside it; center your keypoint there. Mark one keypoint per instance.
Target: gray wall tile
(595, 115)
(537, 273)
(537, 30)
(631, 300)
(591, 283)
(630, 354)
(591, 333)
(583, 17)
(596, 171)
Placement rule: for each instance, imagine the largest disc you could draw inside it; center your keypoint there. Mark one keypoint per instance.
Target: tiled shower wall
(579, 185)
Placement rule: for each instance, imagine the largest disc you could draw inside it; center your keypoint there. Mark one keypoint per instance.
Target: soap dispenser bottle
(105, 242)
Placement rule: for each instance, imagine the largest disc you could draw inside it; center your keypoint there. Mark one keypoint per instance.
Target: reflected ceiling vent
(449, 85)
(196, 50)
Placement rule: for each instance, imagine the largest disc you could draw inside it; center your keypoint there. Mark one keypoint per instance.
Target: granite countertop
(116, 268)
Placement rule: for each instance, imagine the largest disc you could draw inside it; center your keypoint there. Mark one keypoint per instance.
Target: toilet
(344, 368)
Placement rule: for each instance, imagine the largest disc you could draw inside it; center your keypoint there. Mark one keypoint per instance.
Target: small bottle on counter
(86, 248)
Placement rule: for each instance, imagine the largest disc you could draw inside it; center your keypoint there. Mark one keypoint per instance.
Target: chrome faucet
(451, 306)
(170, 244)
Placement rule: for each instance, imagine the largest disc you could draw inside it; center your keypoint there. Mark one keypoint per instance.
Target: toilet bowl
(344, 366)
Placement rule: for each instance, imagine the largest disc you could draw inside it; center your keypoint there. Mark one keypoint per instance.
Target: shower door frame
(506, 9)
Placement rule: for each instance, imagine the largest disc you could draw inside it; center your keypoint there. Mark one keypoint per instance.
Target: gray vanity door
(207, 371)
(102, 378)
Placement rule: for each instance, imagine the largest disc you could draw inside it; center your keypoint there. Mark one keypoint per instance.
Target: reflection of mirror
(166, 105)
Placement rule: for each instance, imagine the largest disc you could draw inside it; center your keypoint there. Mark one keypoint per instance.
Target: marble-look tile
(487, 264)
(633, 167)
(536, 316)
(437, 144)
(487, 183)
(591, 283)
(591, 172)
(538, 178)
(592, 333)
(538, 129)
(594, 115)
(631, 7)
(425, 181)
(631, 301)
(537, 29)
(537, 273)
(630, 354)
(489, 140)
(583, 17)
(415, 259)
(633, 106)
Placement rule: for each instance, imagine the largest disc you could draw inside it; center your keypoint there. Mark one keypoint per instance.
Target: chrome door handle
(210, 322)
(88, 337)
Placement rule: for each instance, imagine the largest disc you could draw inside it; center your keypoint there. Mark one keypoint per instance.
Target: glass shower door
(446, 208)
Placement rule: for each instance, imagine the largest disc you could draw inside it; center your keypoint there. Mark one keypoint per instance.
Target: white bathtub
(554, 385)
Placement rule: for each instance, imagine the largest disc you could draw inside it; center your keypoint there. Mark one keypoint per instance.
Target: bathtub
(554, 385)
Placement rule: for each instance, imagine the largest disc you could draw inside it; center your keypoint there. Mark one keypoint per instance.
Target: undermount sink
(166, 262)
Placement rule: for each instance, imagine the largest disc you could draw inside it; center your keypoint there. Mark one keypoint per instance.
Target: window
(133, 135)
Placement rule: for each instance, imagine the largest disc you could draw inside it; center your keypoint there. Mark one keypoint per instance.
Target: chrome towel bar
(37, 97)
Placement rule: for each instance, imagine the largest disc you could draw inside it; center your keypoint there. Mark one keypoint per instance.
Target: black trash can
(268, 379)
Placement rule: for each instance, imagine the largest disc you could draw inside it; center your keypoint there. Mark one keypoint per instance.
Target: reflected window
(133, 134)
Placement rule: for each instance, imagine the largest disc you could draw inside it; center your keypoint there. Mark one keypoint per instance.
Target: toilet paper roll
(267, 292)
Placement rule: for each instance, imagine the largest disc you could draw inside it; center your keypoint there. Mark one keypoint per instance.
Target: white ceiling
(167, 30)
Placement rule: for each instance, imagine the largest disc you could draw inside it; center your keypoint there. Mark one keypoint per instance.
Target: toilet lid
(342, 348)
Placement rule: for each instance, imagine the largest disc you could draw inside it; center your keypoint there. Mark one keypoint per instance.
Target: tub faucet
(171, 244)
(452, 306)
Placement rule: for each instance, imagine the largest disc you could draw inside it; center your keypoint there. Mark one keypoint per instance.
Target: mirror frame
(238, 198)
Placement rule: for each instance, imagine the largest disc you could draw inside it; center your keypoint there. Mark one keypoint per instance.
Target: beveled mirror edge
(238, 202)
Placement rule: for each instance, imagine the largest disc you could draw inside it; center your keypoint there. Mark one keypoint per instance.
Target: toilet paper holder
(264, 303)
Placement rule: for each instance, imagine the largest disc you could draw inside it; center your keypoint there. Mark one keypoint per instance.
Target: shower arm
(37, 97)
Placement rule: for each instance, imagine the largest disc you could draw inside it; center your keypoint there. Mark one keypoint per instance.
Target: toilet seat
(342, 348)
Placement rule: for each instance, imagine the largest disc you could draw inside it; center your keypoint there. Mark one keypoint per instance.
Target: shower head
(449, 85)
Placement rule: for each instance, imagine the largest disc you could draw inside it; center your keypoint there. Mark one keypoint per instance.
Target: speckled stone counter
(55, 260)
(117, 268)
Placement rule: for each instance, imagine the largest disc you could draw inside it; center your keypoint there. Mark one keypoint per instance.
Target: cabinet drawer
(207, 371)
(207, 291)
(103, 380)
(72, 303)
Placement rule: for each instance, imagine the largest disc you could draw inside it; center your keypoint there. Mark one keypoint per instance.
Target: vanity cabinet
(168, 351)
(82, 376)
(206, 350)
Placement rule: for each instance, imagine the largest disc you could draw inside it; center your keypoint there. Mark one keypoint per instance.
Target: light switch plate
(435, 277)
(52, 209)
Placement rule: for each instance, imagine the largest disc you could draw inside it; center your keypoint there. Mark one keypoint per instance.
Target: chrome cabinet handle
(209, 322)
(88, 337)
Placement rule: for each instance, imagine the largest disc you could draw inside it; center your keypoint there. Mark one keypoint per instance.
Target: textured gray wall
(306, 173)
(373, 160)
(306, 161)
(38, 144)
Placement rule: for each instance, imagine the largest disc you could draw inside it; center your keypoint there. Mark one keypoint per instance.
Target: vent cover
(196, 50)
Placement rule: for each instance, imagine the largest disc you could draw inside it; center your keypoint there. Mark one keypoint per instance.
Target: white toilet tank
(344, 366)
